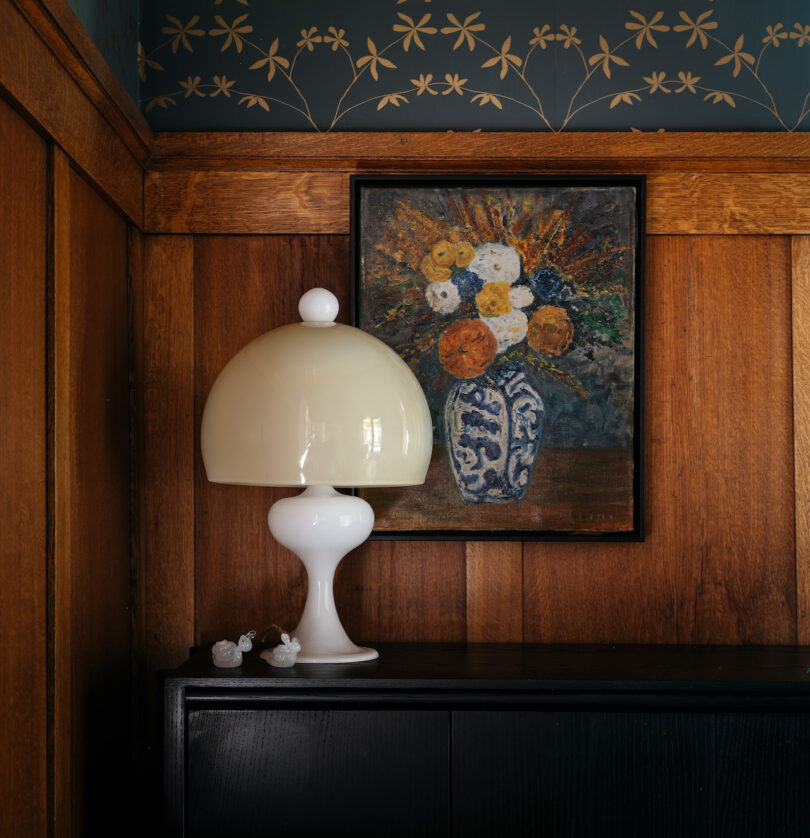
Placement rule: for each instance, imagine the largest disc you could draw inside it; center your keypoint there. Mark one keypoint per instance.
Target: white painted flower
(442, 297)
(496, 263)
(521, 296)
(508, 329)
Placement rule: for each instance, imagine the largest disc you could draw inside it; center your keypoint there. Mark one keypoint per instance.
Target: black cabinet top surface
(523, 667)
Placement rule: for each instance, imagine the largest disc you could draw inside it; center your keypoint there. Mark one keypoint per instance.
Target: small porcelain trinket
(227, 654)
(284, 654)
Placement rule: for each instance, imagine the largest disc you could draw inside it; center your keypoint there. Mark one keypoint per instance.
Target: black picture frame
(589, 283)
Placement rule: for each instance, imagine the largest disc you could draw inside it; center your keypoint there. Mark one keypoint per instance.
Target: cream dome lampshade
(318, 404)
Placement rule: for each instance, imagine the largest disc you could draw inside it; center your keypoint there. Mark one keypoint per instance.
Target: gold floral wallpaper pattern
(490, 65)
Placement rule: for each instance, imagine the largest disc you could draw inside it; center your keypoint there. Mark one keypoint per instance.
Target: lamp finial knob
(318, 306)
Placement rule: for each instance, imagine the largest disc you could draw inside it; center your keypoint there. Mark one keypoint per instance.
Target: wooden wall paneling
(165, 378)
(47, 91)
(92, 552)
(494, 576)
(718, 562)
(244, 286)
(199, 200)
(403, 591)
(801, 423)
(23, 490)
(719, 150)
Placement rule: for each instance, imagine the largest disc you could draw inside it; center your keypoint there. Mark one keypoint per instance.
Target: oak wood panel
(62, 468)
(494, 576)
(23, 478)
(242, 288)
(166, 467)
(349, 148)
(36, 79)
(718, 563)
(801, 424)
(57, 25)
(205, 201)
(94, 598)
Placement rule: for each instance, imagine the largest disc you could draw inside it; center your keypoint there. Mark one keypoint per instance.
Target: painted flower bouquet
(492, 299)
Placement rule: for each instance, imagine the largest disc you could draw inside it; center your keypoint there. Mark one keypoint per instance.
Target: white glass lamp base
(320, 526)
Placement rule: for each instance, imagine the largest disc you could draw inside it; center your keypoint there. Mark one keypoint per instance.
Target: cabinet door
(287, 772)
(763, 774)
(583, 774)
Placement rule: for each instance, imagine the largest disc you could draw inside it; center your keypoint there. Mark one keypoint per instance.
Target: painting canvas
(517, 303)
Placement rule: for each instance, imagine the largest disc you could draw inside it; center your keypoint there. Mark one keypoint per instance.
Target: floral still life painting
(517, 303)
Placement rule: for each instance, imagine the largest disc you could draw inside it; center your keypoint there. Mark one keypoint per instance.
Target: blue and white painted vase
(493, 426)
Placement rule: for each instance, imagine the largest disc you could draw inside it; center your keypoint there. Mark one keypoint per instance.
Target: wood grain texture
(801, 427)
(166, 466)
(718, 563)
(58, 26)
(494, 575)
(357, 149)
(23, 477)
(763, 774)
(565, 774)
(244, 286)
(46, 90)
(94, 562)
(271, 202)
(62, 468)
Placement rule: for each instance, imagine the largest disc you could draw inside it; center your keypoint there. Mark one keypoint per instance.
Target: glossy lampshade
(316, 403)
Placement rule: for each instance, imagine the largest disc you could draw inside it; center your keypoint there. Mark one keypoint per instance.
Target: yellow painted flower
(775, 34)
(801, 35)
(550, 330)
(391, 99)
(423, 85)
(309, 38)
(493, 299)
(434, 272)
(465, 253)
(568, 34)
(222, 86)
(373, 59)
(464, 30)
(541, 36)
(656, 82)
(605, 57)
(487, 99)
(191, 85)
(272, 61)
(181, 32)
(234, 32)
(737, 56)
(144, 61)
(254, 100)
(628, 97)
(453, 84)
(698, 27)
(443, 254)
(645, 28)
(505, 58)
(335, 37)
(688, 82)
(413, 30)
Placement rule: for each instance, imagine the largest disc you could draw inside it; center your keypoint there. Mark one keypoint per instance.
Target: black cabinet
(493, 740)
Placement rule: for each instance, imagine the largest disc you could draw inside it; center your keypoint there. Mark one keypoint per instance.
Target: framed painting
(518, 304)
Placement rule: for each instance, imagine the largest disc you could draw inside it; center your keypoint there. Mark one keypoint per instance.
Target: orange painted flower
(467, 348)
(434, 272)
(493, 299)
(443, 254)
(465, 253)
(550, 330)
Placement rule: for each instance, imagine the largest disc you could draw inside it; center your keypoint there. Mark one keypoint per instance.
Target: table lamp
(321, 405)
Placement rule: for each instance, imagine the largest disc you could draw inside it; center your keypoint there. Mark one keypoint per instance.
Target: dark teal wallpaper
(113, 26)
(489, 64)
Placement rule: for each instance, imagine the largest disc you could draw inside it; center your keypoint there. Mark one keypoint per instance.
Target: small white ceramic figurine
(228, 654)
(284, 654)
